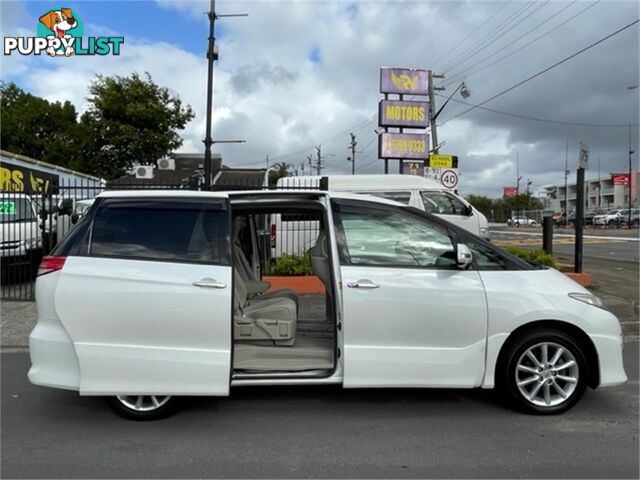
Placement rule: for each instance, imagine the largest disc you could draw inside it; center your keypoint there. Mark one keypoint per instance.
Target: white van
(294, 237)
(133, 310)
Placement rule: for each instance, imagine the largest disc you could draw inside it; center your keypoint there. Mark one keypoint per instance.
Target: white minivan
(293, 237)
(141, 314)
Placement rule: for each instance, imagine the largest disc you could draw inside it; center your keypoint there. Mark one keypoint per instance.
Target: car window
(169, 230)
(442, 203)
(485, 257)
(393, 238)
(402, 196)
(16, 209)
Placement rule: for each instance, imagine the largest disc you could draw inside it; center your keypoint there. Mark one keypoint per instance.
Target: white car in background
(140, 313)
(521, 221)
(611, 218)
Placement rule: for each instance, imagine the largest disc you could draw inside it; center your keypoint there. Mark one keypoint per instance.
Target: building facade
(606, 193)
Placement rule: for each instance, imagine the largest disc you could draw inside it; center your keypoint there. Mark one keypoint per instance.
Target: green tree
(130, 120)
(37, 128)
(278, 171)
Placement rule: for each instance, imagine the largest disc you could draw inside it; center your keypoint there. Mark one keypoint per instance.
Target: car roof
(146, 193)
(365, 182)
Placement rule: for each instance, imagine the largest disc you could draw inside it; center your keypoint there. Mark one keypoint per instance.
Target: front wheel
(543, 372)
(143, 407)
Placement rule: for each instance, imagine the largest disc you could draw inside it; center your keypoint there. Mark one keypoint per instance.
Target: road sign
(400, 113)
(411, 146)
(449, 178)
(443, 161)
(509, 191)
(584, 156)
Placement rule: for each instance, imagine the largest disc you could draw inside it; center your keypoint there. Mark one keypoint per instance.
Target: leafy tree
(278, 171)
(37, 128)
(500, 209)
(130, 120)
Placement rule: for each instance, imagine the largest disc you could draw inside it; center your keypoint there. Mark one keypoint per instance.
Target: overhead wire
(542, 72)
(460, 75)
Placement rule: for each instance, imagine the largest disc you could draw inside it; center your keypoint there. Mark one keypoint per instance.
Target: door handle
(208, 282)
(362, 284)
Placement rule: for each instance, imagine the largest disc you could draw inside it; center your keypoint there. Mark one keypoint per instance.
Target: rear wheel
(543, 372)
(143, 407)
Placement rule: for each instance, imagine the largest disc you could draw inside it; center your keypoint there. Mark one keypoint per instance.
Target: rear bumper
(54, 362)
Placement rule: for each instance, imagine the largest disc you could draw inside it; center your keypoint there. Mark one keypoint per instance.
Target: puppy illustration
(59, 22)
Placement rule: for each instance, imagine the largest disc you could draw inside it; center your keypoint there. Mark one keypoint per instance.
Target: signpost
(509, 191)
(620, 179)
(401, 113)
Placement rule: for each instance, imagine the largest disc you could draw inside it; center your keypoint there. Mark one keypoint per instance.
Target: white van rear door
(149, 308)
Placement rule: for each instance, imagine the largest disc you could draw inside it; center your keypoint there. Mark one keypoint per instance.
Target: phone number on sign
(412, 146)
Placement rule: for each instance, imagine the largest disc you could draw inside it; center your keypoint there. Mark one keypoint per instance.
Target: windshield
(16, 210)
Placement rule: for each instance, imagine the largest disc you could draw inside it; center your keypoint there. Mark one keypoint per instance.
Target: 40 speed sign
(449, 178)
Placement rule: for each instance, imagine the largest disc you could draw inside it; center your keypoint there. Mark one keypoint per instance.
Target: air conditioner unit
(166, 164)
(144, 171)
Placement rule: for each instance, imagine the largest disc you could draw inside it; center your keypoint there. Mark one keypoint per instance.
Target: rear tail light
(273, 235)
(51, 264)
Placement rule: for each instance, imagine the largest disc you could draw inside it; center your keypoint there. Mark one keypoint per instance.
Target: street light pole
(212, 55)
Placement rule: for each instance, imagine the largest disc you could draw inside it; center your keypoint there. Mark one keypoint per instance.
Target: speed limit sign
(449, 179)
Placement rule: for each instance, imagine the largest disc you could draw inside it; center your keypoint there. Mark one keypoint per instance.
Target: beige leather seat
(257, 288)
(262, 319)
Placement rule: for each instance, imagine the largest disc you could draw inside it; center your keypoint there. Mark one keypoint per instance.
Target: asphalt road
(318, 432)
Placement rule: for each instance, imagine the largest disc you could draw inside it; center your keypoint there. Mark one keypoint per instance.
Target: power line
(498, 10)
(512, 42)
(544, 120)
(543, 71)
(458, 76)
(495, 37)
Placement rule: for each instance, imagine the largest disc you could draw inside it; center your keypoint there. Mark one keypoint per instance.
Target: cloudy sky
(293, 75)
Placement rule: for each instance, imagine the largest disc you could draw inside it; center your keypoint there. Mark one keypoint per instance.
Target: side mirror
(65, 207)
(468, 210)
(463, 256)
(74, 218)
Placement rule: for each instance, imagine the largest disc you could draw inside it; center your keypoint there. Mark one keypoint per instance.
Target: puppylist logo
(60, 33)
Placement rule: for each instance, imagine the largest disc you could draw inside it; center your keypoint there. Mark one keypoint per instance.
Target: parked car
(21, 240)
(292, 236)
(130, 309)
(521, 221)
(612, 218)
(635, 218)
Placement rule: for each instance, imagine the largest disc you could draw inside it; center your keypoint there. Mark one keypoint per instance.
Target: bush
(292, 265)
(538, 256)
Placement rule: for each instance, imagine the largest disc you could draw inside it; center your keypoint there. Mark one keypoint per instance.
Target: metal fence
(32, 225)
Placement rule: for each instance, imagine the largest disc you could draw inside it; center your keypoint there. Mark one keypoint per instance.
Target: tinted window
(172, 229)
(393, 238)
(485, 257)
(442, 203)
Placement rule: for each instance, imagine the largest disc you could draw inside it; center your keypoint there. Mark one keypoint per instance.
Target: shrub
(292, 265)
(537, 255)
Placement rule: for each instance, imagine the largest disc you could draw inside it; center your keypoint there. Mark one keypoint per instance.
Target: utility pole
(566, 183)
(432, 109)
(302, 167)
(319, 159)
(352, 158)
(631, 152)
(582, 165)
(212, 56)
(518, 177)
(310, 160)
(267, 160)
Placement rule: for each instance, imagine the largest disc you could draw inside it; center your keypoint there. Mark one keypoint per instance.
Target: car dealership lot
(323, 432)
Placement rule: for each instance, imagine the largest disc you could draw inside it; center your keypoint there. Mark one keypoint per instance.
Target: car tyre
(143, 407)
(539, 388)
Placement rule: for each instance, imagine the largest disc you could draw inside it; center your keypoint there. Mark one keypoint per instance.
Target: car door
(451, 208)
(148, 308)
(411, 316)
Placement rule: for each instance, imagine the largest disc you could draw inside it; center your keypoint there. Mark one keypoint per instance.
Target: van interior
(280, 331)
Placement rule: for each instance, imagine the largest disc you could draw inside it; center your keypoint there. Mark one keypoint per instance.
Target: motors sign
(404, 81)
(400, 113)
(412, 146)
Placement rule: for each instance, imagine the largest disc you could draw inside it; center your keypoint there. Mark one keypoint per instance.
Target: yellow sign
(440, 161)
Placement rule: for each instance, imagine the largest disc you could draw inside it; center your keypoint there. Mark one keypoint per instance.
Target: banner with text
(400, 113)
(412, 146)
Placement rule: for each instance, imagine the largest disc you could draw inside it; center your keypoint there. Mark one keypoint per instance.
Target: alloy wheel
(143, 403)
(547, 374)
